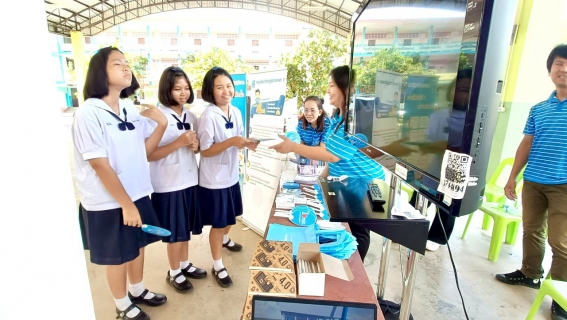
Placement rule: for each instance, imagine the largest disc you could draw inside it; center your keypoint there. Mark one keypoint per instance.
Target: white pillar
(43, 270)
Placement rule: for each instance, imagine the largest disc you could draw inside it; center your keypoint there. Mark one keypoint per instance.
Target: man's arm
(521, 158)
(520, 162)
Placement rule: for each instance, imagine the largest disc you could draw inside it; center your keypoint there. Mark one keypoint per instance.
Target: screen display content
(413, 79)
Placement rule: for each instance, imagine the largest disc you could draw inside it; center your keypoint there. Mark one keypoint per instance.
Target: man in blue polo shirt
(544, 195)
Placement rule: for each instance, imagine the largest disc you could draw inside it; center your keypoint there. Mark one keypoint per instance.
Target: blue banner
(239, 99)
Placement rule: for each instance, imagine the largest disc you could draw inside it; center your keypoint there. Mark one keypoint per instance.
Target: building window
(227, 35)
(230, 42)
(87, 39)
(174, 41)
(371, 43)
(66, 40)
(289, 43)
(435, 41)
(412, 35)
(141, 40)
(407, 42)
(376, 36)
(287, 36)
(255, 42)
(197, 42)
(257, 36)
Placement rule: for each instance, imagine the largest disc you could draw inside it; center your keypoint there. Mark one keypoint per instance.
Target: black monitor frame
(477, 132)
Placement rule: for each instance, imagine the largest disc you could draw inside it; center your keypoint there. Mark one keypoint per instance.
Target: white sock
(123, 304)
(225, 239)
(173, 273)
(217, 264)
(185, 264)
(137, 289)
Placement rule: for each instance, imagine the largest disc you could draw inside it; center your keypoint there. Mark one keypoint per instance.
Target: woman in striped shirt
(342, 157)
(314, 123)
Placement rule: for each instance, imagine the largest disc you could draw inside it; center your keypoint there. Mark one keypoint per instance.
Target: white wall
(43, 271)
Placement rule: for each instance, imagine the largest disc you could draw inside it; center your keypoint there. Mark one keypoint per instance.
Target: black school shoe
(157, 300)
(197, 274)
(557, 312)
(122, 314)
(224, 282)
(235, 248)
(518, 278)
(182, 287)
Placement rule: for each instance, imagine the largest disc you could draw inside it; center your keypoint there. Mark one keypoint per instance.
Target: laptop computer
(278, 308)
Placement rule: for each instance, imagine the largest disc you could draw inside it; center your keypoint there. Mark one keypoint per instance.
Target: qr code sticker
(457, 168)
(455, 174)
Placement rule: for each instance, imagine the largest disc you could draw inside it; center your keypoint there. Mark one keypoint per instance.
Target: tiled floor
(435, 296)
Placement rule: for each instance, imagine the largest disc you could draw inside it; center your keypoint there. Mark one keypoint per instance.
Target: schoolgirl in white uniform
(220, 134)
(175, 177)
(112, 141)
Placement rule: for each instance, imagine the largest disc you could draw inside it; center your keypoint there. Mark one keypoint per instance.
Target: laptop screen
(276, 308)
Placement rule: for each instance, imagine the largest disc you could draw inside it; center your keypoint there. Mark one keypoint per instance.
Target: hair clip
(216, 68)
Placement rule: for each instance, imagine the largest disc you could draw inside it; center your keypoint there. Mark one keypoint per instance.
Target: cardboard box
(313, 284)
(273, 256)
(272, 283)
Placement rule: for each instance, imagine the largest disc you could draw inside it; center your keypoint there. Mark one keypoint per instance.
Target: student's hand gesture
(194, 146)
(150, 111)
(131, 216)
(286, 146)
(240, 142)
(187, 138)
(253, 145)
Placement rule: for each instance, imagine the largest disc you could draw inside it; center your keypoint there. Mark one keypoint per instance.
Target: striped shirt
(547, 162)
(353, 162)
(312, 136)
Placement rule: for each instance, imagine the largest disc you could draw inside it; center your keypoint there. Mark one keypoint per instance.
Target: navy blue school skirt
(109, 241)
(220, 207)
(178, 212)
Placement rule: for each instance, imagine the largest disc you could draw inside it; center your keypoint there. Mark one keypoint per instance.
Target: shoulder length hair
(321, 119)
(166, 84)
(209, 83)
(96, 82)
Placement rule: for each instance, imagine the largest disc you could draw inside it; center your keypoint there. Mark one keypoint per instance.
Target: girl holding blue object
(314, 123)
(111, 143)
(175, 176)
(220, 135)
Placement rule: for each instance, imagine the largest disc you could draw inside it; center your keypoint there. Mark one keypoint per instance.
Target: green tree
(197, 65)
(387, 59)
(139, 66)
(464, 62)
(308, 68)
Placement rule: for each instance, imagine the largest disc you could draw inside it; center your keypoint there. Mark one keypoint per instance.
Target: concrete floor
(435, 296)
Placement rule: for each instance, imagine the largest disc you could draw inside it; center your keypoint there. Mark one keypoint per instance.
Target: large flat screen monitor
(429, 79)
(276, 308)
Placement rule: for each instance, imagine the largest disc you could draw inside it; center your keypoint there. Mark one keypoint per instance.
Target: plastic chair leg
(467, 226)
(537, 303)
(486, 222)
(496, 241)
(512, 232)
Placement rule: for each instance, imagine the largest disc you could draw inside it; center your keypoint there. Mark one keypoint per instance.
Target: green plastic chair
(557, 290)
(504, 222)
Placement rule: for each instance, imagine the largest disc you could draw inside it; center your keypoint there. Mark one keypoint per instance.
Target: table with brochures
(358, 290)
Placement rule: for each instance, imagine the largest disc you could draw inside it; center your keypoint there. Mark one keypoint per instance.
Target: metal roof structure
(94, 16)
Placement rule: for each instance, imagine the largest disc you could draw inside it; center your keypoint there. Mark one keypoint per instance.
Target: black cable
(453, 263)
